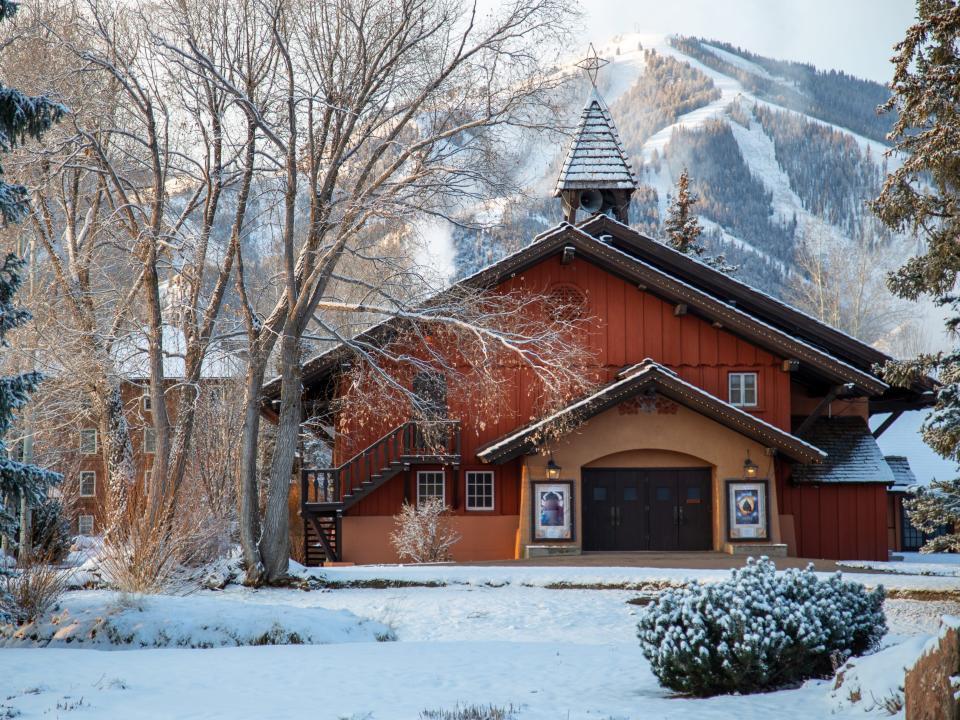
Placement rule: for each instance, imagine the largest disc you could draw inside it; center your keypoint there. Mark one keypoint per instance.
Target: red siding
(836, 521)
(831, 521)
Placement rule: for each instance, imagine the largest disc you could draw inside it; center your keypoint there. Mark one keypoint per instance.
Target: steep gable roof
(725, 287)
(644, 377)
(596, 159)
(650, 277)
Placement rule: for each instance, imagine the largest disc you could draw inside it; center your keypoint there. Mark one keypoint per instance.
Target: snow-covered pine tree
(922, 196)
(682, 227)
(683, 230)
(21, 117)
(17, 480)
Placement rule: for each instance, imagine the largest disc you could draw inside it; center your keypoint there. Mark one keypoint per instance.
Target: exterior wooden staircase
(326, 493)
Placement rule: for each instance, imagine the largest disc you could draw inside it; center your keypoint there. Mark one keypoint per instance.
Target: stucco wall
(366, 538)
(677, 439)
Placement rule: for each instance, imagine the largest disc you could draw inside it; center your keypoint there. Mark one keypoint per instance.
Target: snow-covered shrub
(423, 532)
(29, 592)
(757, 630)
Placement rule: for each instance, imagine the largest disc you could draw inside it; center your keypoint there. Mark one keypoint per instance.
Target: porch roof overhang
(644, 377)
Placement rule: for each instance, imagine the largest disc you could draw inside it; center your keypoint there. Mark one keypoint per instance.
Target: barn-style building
(724, 420)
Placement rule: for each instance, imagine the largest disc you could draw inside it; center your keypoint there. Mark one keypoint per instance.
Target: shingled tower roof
(596, 160)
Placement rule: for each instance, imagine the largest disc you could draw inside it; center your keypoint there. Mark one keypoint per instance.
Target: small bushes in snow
(471, 712)
(29, 592)
(758, 630)
(423, 532)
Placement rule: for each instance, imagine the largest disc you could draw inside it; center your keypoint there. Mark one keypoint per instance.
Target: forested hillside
(778, 152)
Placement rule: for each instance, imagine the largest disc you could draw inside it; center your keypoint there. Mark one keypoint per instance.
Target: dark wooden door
(662, 489)
(647, 509)
(632, 528)
(599, 509)
(694, 504)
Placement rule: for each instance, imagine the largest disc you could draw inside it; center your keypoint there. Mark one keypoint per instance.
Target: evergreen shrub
(758, 630)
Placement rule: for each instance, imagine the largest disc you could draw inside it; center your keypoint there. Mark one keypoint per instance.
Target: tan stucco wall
(366, 538)
(683, 439)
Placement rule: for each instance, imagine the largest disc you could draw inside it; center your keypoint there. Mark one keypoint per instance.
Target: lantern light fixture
(553, 470)
(750, 468)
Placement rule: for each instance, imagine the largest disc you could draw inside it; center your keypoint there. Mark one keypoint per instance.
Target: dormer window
(742, 389)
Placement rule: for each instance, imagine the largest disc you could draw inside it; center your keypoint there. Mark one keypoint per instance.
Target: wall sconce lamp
(553, 470)
(750, 468)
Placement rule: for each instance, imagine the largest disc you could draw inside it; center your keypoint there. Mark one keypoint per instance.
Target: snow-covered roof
(903, 477)
(596, 159)
(853, 455)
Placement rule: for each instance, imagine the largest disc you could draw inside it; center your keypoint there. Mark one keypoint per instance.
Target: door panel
(599, 491)
(662, 487)
(631, 512)
(696, 518)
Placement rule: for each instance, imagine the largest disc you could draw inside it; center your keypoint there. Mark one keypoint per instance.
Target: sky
(856, 36)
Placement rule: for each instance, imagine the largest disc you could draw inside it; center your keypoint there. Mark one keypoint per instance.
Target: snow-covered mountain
(777, 152)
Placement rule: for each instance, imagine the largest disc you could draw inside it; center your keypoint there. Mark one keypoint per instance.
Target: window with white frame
(88, 483)
(430, 484)
(479, 490)
(88, 441)
(145, 399)
(85, 525)
(743, 389)
(149, 441)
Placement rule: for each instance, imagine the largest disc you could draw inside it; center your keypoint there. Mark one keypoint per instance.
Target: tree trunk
(275, 539)
(248, 494)
(25, 550)
(117, 451)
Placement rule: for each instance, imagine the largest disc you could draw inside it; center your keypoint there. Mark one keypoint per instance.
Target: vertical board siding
(628, 325)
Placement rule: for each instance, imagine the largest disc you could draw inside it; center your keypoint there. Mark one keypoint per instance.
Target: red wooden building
(723, 419)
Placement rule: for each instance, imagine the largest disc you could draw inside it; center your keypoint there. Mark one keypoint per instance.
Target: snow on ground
(864, 683)
(113, 621)
(493, 634)
(942, 564)
(497, 635)
(533, 576)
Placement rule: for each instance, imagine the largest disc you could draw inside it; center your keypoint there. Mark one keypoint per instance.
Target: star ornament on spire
(591, 64)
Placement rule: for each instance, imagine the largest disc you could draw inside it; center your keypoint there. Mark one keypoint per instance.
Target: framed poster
(747, 510)
(553, 510)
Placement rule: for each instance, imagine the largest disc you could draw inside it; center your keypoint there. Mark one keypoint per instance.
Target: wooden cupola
(596, 177)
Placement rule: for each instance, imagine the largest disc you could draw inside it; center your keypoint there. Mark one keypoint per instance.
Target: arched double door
(647, 509)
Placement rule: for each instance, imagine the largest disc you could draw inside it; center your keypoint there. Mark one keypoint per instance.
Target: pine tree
(683, 230)
(21, 117)
(922, 196)
(17, 480)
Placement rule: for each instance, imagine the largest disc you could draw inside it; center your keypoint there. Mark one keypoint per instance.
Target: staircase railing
(414, 440)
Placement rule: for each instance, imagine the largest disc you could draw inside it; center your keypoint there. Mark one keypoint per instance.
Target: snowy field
(495, 635)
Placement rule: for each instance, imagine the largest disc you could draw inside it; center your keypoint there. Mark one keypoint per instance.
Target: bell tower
(596, 175)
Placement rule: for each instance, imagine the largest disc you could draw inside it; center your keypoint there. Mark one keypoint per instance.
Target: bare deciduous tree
(841, 282)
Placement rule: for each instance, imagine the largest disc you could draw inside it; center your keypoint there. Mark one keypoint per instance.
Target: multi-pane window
(85, 525)
(149, 441)
(88, 483)
(88, 441)
(430, 484)
(743, 389)
(146, 398)
(479, 490)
